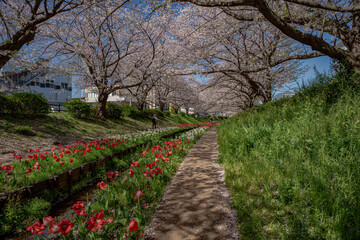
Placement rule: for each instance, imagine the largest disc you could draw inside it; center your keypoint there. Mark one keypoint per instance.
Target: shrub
(7, 105)
(182, 114)
(126, 110)
(148, 113)
(130, 111)
(192, 115)
(30, 103)
(113, 111)
(78, 108)
(166, 113)
(23, 103)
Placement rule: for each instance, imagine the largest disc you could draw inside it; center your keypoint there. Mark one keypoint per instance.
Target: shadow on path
(196, 203)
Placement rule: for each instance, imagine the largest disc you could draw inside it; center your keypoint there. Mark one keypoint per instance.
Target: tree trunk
(101, 106)
(161, 106)
(140, 105)
(187, 111)
(355, 39)
(267, 94)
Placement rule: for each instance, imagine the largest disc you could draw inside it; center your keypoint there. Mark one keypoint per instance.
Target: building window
(57, 87)
(92, 95)
(37, 84)
(64, 85)
(32, 83)
(47, 85)
(42, 85)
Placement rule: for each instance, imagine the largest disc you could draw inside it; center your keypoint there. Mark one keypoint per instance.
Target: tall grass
(293, 166)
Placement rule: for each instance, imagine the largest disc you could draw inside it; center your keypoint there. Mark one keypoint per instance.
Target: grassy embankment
(293, 166)
(18, 135)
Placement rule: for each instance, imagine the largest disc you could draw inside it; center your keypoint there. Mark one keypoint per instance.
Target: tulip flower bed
(15, 214)
(124, 203)
(39, 166)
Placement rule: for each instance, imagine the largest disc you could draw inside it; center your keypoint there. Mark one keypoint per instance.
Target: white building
(54, 87)
(118, 96)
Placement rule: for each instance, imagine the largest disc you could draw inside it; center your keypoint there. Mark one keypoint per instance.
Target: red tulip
(139, 194)
(54, 228)
(133, 226)
(131, 172)
(78, 206)
(36, 228)
(65, 227)
(102, 185)
(47, 220)
(96, 221)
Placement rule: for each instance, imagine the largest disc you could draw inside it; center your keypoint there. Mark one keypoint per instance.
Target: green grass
(52, 129)
(293, 166)
(66, 129)
(25, 130)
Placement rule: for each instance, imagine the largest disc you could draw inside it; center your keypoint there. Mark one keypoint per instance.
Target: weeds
(292, 166)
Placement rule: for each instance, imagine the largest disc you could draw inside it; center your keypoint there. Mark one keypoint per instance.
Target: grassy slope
(293, 166)
(56, 128)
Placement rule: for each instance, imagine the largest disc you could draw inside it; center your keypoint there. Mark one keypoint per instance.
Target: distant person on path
(154, 119)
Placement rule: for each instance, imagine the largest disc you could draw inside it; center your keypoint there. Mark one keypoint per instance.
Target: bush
(148, 113)
(159, 113)
(166, 113)
(30, 103)
(78, 108)
(130, 111)
(113, 111)
(23, 103)
(192, 115)
(182, 114)
(7, 105)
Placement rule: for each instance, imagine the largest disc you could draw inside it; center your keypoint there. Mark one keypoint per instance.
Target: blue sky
(322, 64)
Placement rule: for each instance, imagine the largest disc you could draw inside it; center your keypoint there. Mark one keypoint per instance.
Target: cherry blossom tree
(330, 27)
(21, 20)
(253, 58)
(103, 45)
(154, 54)
(163, 89)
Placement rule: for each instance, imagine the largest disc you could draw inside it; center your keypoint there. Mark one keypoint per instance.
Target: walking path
(196, 203)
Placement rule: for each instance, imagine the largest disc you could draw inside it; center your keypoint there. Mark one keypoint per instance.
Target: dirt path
(196, 203)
